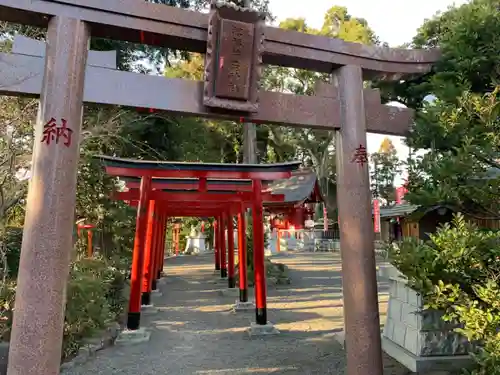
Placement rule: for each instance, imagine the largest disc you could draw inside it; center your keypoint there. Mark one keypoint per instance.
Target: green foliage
(460, 128)
(384, 168)
(461, 168)
(7, 299)
(314, 148)
(467, 37)
(95, 297)
(338, 23)
(11, 242)
(458, 272)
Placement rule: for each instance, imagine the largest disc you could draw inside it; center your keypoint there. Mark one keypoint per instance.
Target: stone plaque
(233, 58)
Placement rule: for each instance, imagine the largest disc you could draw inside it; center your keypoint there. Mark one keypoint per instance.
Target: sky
(394, 22)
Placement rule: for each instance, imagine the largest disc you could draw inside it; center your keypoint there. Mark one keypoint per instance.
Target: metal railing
(305, 240)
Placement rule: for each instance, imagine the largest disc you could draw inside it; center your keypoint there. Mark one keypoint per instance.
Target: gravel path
(195, 331)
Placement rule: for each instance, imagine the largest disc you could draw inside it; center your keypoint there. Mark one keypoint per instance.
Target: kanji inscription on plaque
(54, 132)
(235, 60)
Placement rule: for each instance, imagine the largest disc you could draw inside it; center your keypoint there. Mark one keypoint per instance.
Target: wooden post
(37, 330)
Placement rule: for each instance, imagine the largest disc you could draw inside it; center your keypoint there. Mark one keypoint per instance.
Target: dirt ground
(195, 331)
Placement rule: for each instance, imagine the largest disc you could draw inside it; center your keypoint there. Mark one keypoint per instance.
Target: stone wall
(421, 332)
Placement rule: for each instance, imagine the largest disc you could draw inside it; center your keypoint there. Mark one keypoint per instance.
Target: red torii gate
(217, 204)
(190, 184)
(201, 200)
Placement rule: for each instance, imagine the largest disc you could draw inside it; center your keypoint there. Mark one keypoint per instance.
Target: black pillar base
(231, 282)
(217, 267)
(133, 320)
(243, 295)
(154, 285)
(223, 272)
(146, 298)
(261, 316)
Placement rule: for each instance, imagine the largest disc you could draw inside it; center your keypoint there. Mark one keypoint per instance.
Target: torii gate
(200, 199)
(236, 43)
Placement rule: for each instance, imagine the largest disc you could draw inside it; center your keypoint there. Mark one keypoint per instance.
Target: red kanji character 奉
(50, 131)
(65, 133)
(361, 156)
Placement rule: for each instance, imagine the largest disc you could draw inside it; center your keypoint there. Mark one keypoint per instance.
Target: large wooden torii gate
(236, 43)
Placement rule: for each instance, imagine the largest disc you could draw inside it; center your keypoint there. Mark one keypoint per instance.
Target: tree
(385, 166)
(460, 128)
(315, 148)
(338, 23)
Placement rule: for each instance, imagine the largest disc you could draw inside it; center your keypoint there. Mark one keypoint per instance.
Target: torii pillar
(231, 280)
(216, 244)
(149, 254)
(359, 279)
(37, 331)
(222, 246)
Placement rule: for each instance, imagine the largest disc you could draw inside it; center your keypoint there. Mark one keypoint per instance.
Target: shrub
(94, 299)
(7, 297)
(12, 238)
(457, 271)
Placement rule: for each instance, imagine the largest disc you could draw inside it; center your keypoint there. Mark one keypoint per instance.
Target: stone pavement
(195, 331)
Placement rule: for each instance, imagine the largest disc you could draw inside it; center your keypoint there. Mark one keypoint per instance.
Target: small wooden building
(407, 220)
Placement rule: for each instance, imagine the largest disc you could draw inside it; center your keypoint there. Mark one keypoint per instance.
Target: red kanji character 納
(65, 133)
(49, 131)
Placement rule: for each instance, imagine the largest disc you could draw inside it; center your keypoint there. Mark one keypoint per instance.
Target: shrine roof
(298, 188)
(403, 209)
(172, 166)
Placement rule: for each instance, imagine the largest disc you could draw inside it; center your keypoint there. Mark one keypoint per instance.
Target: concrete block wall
(421, 332)
(403, 320)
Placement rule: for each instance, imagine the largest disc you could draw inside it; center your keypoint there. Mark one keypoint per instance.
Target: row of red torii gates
(172, 189)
